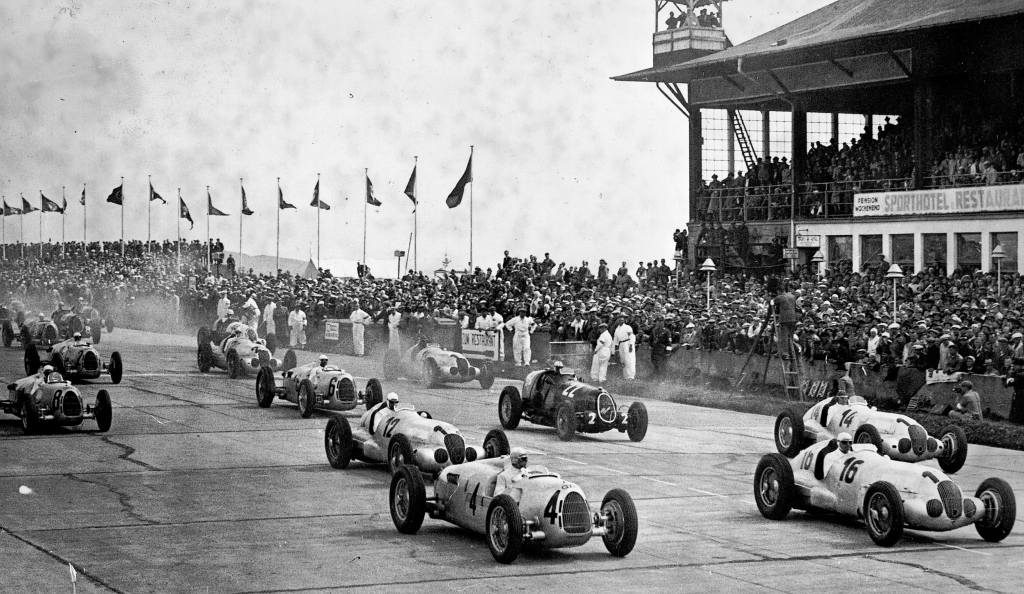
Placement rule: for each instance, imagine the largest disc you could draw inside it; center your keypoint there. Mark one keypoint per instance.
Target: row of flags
(117, 197)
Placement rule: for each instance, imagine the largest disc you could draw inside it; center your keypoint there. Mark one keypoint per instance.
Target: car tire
(204, 357)
(8, 334)
(399, 453)
(565, 422)
(338, 442)
(789, 433)
(115, 367)
(374, 394)
(883, 513)
(391, 365)
(510, 407)
(636, 421)
(307, 399)
(234, 364)
(504, 529)
(955, 440)
(1000, 511)
(869, 434)
(431, 373)
(29, 414)
(486, 377)
(407, 499)
(496, 444)
(104, 411)
(265, 387)
(31, 360)
(290, 360)
(622, 523)
(57, 362)
(774, 486)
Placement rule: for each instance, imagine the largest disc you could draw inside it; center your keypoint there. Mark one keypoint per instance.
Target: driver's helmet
(55, 378)
(844, 437)
(392, 400)
(238, 332)
(77, 336)
(229, 312)
(323, 360)
(46, 371)
(42, 316)
(518, 457)
(557, 366)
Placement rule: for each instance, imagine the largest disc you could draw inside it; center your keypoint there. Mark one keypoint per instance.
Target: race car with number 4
(556, 398)
(396, 434)
(898, 436)
(887, 495)
(538, 507)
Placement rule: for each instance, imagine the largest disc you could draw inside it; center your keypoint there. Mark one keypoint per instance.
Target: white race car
(537, 507)
(886, 494)
(898, 436)
(240, 352)
(397, 434)
(433, 365)
(314, 386)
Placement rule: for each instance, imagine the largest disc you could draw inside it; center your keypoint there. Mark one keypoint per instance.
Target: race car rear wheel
(954, 439)
(789, 433)
(408, 499)
(8, 334)
(620, 522)
(399, 453)
(115, 367)
(504, 529)
(510, 407)
(338, 442)
(31, 360)
(29, 414)
(289, 361)
(636, 421)
(774, 487)
(234, 364)
(264, 387)
(869, 434)
(431, 373)
(392, 364)
(57, 362)
(374, 394)
(486, 377)
(1000, 509)
(496, 444)
(202, 336)
(104, 411)
(204, 357)
(565, 422)
(307, 399)
(883, 513)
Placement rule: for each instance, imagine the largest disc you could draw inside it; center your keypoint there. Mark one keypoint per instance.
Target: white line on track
(707, 492)
(571, 460)
(963, 549)
(538, 452)
(659, 481)
(610, 470)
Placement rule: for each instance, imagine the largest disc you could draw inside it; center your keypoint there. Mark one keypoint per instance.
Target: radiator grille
(71, 405)
(918, 439)
(952, 499)
(90, 362)
(575, 514)
(456, 447)
(346, 390)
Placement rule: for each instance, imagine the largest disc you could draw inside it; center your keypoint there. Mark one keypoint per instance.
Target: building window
(1009, 243)
(780, 135)
(840, 253)
(819, 129)
(968, 252)
(715, 130)
(870, 251)
(851, 126)
(903, 251)
(935, 252)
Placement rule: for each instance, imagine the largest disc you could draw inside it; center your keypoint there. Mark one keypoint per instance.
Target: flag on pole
(49, 205)
(455, 198)
(26, 207)
(10, 210)
(316, 198)
(154, 196)
(116, 195)
(184, 213)
(369, 193)
(213, 211)
(74, 574)
(280, 200)
(410, 188)
(82, 199)
(245, 204)
(64, 204)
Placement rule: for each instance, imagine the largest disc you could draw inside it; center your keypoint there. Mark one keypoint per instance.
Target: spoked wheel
(620, 522)
(789, 433)
(338, 442)
(496, 444)
(1000, 509)
(407, 500)
(883, 514)
(29, 416)
(307, 400)
(399, 453)
(774, 487)
(565, 422)
(510, 407)
(374, 394)
(504, 529)
(636, 421)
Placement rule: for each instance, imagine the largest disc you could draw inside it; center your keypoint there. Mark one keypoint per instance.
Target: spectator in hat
(602, 354)
(522, 327)
(1016, 381)
(394, 335)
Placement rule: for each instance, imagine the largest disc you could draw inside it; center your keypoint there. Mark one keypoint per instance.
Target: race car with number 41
(898, 436)
(556, 398)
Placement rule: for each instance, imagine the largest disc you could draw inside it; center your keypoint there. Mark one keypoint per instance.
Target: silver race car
(433, 365)
(240, 352)
(48, 399)
(314, 386)
(76, 359)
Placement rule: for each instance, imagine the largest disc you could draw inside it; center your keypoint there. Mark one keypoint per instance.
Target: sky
(198, 94)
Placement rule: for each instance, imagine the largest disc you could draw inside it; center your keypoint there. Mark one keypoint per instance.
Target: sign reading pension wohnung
(941, 201)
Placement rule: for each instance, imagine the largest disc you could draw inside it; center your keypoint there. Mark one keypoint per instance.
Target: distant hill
(265, 264)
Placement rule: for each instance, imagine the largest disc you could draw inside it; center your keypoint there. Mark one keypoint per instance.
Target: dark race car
(54, 401)
(75, 360)
(39, 331)
(433, 365)
(556, 398)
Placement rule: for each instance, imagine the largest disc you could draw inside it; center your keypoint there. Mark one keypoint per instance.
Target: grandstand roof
(841, 21)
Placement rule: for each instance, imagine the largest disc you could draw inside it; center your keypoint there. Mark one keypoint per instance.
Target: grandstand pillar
(730, 142)
(918, 252)
(887, 247)
(798, 142)
(869, 125)
(696, 155)
(924, 97)
(986, 251)
(950, 253)
(835, 125)
(855, 254)
(766, 134)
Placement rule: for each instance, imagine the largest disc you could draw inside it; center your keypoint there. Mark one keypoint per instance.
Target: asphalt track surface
(195, 488)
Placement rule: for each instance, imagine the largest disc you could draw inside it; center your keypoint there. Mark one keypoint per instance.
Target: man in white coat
(297, 324)
(522, 327)
(602, 353)
(268, 319)
(625, 342)
(359, 319)
(394, 336)
(223, 304)
(494, 323)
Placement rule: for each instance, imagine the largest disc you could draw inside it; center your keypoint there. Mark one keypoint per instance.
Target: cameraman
(968, 402)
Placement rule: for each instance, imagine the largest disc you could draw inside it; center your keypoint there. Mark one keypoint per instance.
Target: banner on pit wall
(939, 201)
(480, 345)
(934, 376)
(331, 329)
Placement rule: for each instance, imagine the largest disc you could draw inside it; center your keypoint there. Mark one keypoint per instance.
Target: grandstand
(865, 133)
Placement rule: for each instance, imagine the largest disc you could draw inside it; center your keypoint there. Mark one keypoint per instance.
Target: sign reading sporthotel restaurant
(940, 201)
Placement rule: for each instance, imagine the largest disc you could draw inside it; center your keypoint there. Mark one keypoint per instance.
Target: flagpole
(318, 221)
(415, 216)
(4, 229)
(64, 200)
(241, 216)
(149, 211)
(209, 254)
(122, 217)
(40, 224)
(178, 245)
(85, 218)
(366, 174)
(21, 225)
(277, 240)
(471, 184)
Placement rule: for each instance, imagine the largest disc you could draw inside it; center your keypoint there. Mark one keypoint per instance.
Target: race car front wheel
(29, 415)
(774, 487)
(399, 453)
(496, 444)
(954, 441)
(407, 500)
(789, 433)
(1000, 509)
(883, 514)
(636, 421)
(620, 522)
(338, 442)
(307, 400)
(486, 376)
(504, 529)
(31, 360)
(104, 411)
(374, 394)
(565, 422)
(116, 367)
(264, 387)
(510, 407)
